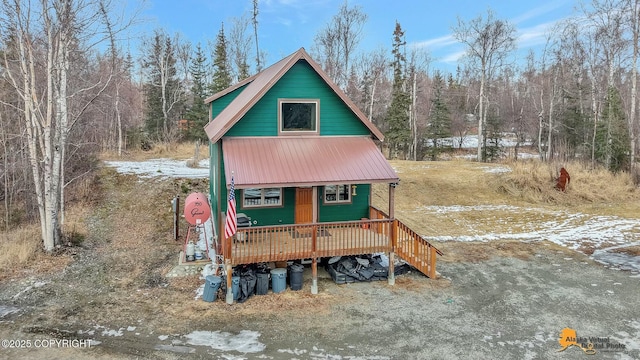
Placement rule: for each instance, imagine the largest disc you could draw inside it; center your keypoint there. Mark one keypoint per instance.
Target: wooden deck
(292, 242)
(312, 241)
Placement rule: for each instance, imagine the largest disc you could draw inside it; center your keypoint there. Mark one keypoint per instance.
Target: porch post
(229, 271)
(314, 276)
(314, 261)
(391, 278)
(226, 251)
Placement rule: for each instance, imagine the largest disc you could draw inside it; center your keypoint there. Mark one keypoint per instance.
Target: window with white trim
(298, 115)
(335, 194)
(262, 197)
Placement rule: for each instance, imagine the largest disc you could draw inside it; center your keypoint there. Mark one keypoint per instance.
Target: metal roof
(304, 161)
(257, 87)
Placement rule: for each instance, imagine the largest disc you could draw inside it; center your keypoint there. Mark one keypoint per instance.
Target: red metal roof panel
(304, 161)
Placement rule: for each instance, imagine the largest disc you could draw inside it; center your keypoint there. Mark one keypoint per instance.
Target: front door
(304, 205)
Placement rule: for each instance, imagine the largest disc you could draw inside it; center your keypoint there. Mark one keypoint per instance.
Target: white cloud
(436, 43)
(453, 57)
(540, 10)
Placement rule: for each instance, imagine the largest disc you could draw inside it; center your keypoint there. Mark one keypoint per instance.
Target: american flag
(231, 225)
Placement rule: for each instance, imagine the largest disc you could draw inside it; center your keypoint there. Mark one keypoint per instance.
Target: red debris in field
(563, 180)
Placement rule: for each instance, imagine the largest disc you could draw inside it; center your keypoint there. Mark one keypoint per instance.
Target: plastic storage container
(211, 286)
(295, 276)
(278, 280)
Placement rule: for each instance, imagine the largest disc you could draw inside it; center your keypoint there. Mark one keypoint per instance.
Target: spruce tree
(439, 120)
(152, 90)
(222, 74)
(612, 134)
(397, 118)
(197, 115)
(492, 148)
(163, 91)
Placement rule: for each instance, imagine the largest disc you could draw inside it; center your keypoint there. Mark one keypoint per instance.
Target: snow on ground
(245, 342)
(471, 141)
(161, 168)
(573, 230)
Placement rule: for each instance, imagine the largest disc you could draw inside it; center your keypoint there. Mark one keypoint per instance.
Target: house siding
(356, 210)
(277, 215)
(285, 214)
(214, 182)
(301, 82)
(219, 104)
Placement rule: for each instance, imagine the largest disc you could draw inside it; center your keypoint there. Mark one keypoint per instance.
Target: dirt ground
(504, 307)
(109, 299)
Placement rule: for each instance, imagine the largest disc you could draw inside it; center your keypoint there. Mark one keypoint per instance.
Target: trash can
(262, 283)
(278, 280)
(211, 286)
(235, 287)
(295, 276)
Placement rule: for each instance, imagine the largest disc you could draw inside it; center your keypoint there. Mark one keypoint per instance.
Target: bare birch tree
(45, 35)
(336, 43)
(489, 41)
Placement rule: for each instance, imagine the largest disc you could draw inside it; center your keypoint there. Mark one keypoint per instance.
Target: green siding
(219, 104)
(214, 192)
(281, 215)
(285, 214)
(356, 210)
(302, 82)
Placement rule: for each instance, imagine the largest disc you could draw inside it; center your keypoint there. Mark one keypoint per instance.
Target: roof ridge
(259, 84)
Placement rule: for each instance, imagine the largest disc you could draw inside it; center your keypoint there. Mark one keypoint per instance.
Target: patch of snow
(112, 332)
(34, 285)
(571, 230)
(199, 292)
(175, 349)
(207, 270)
(245, 342)
(496, 170)
(7, 310)
(163, 337)
(131, 328)
(292, 352)
(205, 238)
(162, 168)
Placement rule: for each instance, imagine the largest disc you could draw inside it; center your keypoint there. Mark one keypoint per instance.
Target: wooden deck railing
(415, 250)
(292, 242)
(303, 241)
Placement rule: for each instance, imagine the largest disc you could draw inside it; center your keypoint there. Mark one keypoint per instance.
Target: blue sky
(286, 25)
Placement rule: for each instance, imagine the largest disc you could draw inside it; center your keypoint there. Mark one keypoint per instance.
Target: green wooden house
(303, 158)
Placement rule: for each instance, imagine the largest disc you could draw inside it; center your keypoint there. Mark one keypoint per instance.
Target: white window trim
(262, 204)
(337, 200)
(281, 130)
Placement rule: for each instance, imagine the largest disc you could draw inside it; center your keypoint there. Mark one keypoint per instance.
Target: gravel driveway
(504, 307)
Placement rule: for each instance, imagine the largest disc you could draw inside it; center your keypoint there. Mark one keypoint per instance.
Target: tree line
(69, 90)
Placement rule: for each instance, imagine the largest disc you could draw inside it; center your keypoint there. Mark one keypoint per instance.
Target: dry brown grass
(21, 253)
(19, 246)
(533, 181)
(177, 151)
(527, 185)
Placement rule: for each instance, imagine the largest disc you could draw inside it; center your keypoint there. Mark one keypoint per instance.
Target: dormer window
(298, 115)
